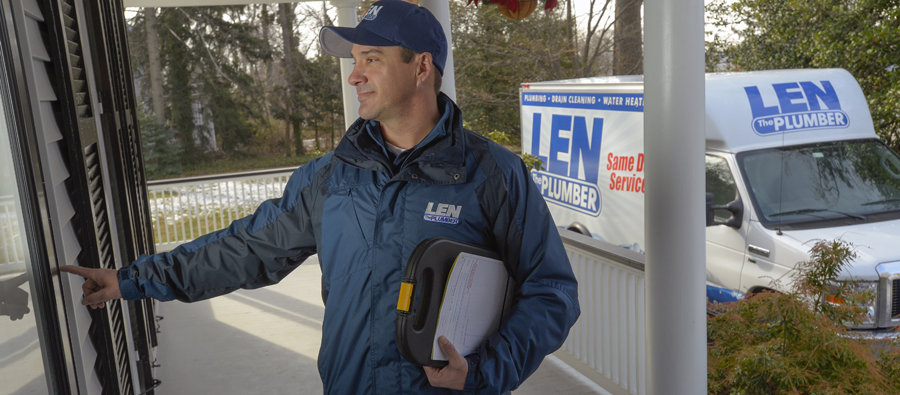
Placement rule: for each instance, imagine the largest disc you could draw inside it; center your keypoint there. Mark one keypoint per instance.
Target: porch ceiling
(200, 3)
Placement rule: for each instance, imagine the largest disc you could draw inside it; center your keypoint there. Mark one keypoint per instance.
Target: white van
(791, 157)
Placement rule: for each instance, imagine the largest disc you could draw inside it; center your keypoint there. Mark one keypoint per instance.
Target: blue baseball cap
(389, 23)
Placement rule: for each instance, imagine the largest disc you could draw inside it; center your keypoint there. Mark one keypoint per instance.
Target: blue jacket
(364, 213)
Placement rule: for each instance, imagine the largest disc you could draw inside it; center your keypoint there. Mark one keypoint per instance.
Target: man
(362, 210)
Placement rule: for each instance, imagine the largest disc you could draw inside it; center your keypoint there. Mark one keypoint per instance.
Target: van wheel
(758, 290)
(578, 227)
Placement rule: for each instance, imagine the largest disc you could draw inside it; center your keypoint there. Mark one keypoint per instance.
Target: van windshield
(826, 184)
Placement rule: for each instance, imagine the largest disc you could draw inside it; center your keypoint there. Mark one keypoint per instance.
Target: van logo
(442, 213)
(800, 106)
(574, 140)
(372, 13)
(568, 192)
(573, 162)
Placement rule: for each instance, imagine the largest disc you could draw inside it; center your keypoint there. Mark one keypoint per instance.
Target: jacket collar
(438, 159)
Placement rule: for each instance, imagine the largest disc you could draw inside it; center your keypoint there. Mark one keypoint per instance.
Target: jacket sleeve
(547, 298)
(252, 252)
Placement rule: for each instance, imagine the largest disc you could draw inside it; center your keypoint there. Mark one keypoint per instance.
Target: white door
(725, 245)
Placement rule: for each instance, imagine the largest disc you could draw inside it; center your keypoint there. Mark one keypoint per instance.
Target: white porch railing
(608, 343)
(186, 208)
(12, 257)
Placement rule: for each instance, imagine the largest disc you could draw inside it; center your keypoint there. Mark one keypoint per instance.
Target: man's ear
(425, 69)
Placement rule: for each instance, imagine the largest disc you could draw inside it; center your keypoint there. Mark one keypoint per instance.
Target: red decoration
(526, 7)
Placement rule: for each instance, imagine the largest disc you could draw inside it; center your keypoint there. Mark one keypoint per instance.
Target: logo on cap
(372, 12)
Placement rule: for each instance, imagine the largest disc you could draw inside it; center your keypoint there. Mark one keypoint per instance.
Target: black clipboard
(422, 291)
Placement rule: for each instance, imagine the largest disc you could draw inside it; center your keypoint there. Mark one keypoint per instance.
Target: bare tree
(269, 69)
(156, 85)
(287, 34)
(591, 46)
(629, 52)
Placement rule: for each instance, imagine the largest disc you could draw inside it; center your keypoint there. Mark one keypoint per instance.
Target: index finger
(77, 270)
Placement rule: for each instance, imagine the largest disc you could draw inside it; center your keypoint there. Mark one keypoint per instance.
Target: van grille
(895, 300)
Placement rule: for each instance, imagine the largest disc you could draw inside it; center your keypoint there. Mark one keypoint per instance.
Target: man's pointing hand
(101, 285)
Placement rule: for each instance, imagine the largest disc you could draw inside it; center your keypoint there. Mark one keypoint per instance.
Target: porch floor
(265, 341)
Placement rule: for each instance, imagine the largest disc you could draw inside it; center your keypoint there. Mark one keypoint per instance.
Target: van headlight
(862, 294)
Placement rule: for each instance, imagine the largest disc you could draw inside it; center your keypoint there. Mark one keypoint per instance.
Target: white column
(346, 17)
(441, 11)
(674, 143)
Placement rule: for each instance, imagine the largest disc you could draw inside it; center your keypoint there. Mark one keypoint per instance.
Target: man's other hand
(14, 300)
(452, 376)
(101, 285)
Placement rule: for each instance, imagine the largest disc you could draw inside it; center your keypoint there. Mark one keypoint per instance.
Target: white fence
(12, 256)
(608, 343)
(186, 208)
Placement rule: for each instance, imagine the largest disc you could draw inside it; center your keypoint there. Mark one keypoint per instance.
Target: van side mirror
(736, 208)
(710, 209)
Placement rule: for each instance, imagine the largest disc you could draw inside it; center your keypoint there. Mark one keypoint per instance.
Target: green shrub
(316, 153)
(506, 139)
(890, 361)
(796, 342)
(532, 162)
(500, 137)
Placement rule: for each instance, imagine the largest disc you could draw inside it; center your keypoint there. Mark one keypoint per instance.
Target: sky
(583, 6)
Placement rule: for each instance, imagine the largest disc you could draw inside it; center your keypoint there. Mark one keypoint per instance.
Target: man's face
(384, 83)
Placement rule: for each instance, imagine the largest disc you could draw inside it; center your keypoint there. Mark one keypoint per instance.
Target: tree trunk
(267, 82)
(287, 33)
(570, 25)
(628, 52)
(316, 137)
(298, 137)
(156, 85)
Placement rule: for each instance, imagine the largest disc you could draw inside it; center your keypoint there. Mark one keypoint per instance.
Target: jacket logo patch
(442, 213)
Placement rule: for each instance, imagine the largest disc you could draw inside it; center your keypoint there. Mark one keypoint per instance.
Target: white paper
(472, 304)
